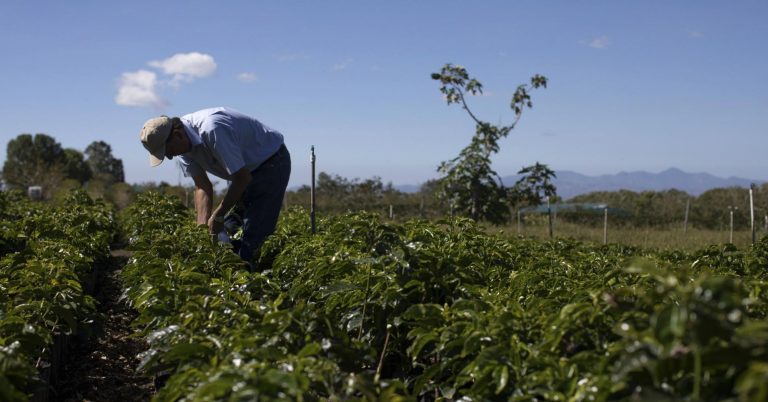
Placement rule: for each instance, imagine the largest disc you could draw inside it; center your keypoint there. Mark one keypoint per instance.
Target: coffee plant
(46, 255)
(370, 310)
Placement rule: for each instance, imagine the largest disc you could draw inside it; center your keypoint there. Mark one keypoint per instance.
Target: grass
(663, 238)
(660, 238)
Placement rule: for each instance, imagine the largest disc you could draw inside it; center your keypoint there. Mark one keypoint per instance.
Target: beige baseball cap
(153, 136)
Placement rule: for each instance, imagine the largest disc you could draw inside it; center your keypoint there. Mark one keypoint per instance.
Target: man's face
(177, 144)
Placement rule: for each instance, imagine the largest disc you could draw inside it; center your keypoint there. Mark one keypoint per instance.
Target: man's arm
(203, 198)
(240, 180)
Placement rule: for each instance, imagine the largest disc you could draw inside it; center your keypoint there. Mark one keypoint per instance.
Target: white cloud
(342, 65)
(185, 67)
(599, 43)
(247, 77)
(138, 88)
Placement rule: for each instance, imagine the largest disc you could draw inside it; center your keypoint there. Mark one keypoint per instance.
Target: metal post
(391, 212)
(549, 212)
(178, 167)
(312, 192)
(605, 225)
(685, 222)
(730, 237)
(554, 217)
(752, 213)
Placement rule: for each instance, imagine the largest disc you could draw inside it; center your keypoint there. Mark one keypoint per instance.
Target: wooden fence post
(605, 225)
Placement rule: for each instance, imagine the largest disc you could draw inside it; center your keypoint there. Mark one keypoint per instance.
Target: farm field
(650, 237)
(48, 256)
(400, 201)
(403, 201)
(370, 310)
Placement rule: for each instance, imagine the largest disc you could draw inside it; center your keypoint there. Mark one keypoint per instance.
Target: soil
(103, 368)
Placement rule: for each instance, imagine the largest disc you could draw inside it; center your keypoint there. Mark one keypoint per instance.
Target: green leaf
(310, 349)
(501, 377)
(421, 339)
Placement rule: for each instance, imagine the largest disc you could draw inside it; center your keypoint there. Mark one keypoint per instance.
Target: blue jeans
(260, 204)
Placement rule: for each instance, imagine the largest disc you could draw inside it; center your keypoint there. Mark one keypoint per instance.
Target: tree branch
(464, 105)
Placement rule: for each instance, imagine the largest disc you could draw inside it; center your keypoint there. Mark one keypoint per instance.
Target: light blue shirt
(225, 141)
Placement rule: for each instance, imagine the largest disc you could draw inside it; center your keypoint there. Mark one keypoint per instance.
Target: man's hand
(203, 198)
(214, 226)
(239, 181)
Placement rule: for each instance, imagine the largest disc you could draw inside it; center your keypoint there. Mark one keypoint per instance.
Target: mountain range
(570, 184)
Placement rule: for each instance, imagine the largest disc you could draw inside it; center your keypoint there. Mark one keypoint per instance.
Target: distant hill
(570, 184)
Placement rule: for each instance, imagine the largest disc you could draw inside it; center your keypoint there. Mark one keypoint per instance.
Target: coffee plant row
(368, 310)
(46, 255)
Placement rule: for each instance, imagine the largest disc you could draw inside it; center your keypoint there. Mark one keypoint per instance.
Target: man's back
(230, 141)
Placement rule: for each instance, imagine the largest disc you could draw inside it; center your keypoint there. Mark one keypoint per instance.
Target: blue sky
(633, 85)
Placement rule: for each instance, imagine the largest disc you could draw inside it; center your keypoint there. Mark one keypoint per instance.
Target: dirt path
(103, 368)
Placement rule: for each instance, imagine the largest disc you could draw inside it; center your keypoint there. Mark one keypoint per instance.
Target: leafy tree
(712, 208)
(535, 185)
(75, 166)
(469, 183)
(430, 204)
(31, 160)
(659, 208)
(353, 194)
(96, 188)
(430, 187)
(333, 187)
(103, 164)
(64, 189)
(121, 194)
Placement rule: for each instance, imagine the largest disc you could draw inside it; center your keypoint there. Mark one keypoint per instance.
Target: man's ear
(178, 133)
